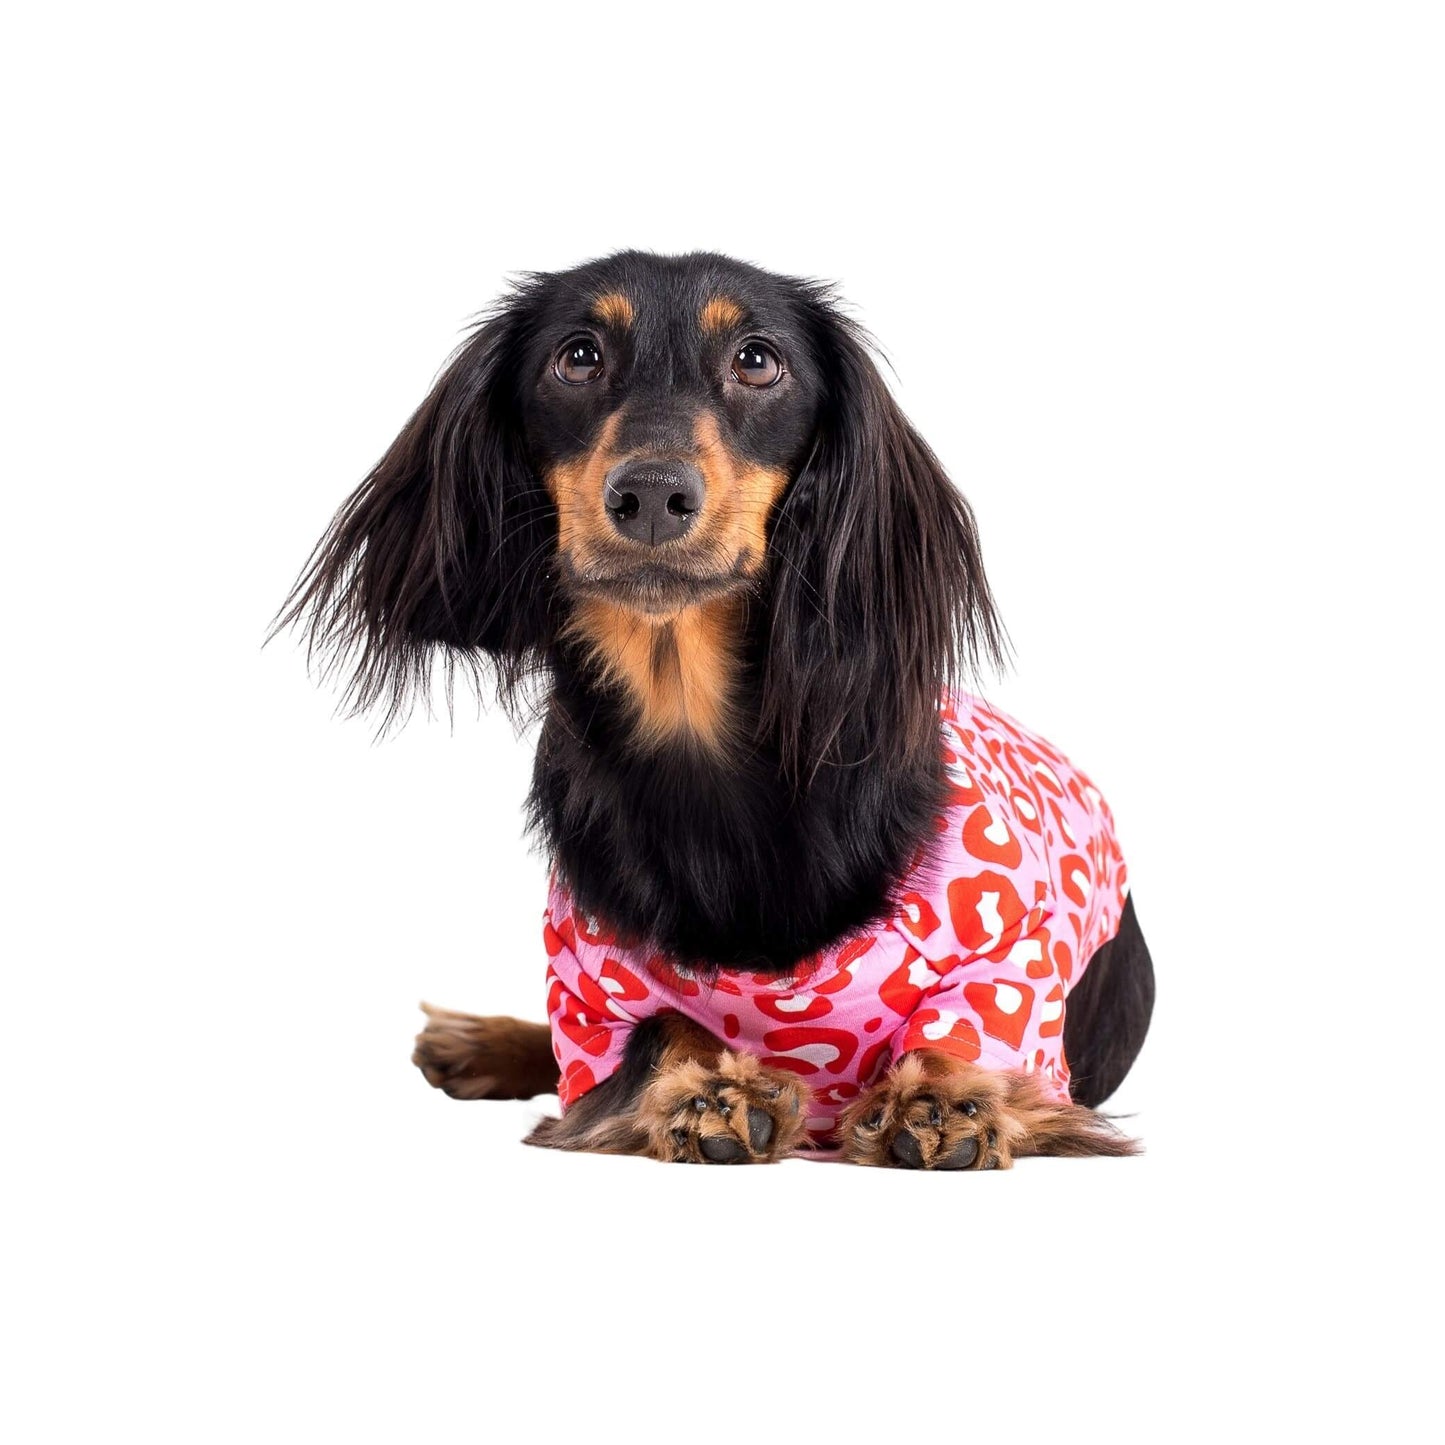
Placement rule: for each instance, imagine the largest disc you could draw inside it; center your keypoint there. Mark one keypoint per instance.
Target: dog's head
(653, 434)
(666, 405)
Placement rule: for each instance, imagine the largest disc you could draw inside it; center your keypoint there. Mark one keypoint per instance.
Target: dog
(807, 894)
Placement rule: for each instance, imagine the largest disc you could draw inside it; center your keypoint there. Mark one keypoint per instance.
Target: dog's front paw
(732, 1112)
(928, 1113)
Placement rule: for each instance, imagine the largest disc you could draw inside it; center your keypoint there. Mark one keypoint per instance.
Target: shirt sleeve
(1001, 914)
(999, 998)
(993, 1013)
(593, 998)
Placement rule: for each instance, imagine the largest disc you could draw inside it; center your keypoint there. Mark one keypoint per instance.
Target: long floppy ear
(440, 555)
(879, 599)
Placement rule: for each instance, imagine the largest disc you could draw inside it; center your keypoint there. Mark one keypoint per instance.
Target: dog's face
(666, 404)
(613, 452)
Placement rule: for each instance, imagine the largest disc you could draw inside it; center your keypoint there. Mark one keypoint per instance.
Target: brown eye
(756, 364)
(579, 362)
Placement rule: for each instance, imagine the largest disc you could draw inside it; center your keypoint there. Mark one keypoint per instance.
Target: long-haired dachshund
(806, 893)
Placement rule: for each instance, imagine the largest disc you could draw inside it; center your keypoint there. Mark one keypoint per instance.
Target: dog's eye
(579, 362)
(756, 364)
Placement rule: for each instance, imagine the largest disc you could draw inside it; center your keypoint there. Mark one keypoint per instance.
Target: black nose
(653, 501)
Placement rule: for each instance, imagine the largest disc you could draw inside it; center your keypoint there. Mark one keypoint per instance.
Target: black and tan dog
(673, 499)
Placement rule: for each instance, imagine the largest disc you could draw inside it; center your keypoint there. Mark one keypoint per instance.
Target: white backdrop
(1164, 291)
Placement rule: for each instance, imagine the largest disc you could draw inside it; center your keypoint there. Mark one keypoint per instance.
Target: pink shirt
(988, 935)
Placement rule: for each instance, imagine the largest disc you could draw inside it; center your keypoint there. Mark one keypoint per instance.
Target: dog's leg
(475, 1058)
(933, 1111)
(682, 1095)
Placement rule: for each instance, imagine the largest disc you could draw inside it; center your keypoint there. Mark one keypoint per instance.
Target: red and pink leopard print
(990, 932)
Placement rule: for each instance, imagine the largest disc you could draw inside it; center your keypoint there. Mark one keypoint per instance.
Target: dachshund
(807, 893)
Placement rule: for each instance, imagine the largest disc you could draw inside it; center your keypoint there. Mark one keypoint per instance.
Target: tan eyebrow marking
(720, 312)
(614, 308)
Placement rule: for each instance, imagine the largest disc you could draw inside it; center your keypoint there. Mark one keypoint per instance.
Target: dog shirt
(988, 933)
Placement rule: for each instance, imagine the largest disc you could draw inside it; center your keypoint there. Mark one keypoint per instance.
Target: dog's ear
(879, 599)
(441, 554)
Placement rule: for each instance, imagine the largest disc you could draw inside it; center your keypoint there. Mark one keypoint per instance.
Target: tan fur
(701, 1096)
(689, 1043)
(727, 1085)
(677, 670)
(485, 1058)
(927, 1095)
(576, 488)
(614, 309)
(605, 1134)
(740, 496)
(719, 313)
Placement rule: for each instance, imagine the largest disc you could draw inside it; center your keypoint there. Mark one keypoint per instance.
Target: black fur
(603, 1117)
(442, 554)
(872, 600)
(1109, 1012)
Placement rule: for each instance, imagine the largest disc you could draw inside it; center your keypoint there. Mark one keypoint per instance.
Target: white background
(1163, 288)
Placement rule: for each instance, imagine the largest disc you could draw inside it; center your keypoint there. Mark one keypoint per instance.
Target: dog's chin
(656, 589)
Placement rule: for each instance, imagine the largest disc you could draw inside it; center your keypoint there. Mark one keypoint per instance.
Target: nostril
(652, 502)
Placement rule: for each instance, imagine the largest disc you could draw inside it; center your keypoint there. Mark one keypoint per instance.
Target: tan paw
(928, 1114)
(484, 1058)
(732, 1112)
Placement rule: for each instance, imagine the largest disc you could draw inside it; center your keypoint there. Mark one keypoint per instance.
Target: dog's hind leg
(492, 1058)
(1108, 1013)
